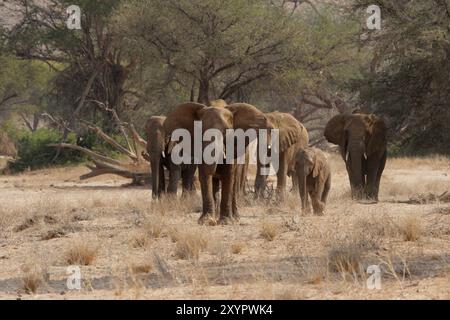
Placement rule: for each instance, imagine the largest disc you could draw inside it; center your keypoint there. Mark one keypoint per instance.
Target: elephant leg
(372, 171)
(216, 195)
(187, 179)
(282, 177)
(379, 173)
(326, 190)
(237, 188)
(174, 177)
(294, 183)
(260, 182)
(303, 191)
(207, 197)
(317, 204)
(244, 181)
(227, 179)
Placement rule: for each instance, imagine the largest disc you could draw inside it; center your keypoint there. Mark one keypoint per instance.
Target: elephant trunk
(355, 158)
(302, 174)
(155, 167)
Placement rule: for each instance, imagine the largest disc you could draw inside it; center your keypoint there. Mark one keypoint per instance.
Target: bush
(34, 152)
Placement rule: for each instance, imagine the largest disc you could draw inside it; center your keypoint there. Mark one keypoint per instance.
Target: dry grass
(431, 162)
(266, 255)
(237, 248)
(269, 230)
(141, 268)
(154, 226)
(345, 258)
(33, 278)
(411, 229)
(81, 253)
(189, 244)
(28, 223)
(139, 239)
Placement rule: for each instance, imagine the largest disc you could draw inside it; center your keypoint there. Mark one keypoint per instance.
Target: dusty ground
(136, 248)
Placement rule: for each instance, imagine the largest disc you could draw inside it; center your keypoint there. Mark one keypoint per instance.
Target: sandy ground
(134, 247)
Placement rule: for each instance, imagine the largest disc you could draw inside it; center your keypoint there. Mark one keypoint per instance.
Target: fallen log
(133, 164)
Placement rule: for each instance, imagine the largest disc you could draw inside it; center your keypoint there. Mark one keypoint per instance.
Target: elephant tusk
(347, 156)
(365, 156)
(163, 154)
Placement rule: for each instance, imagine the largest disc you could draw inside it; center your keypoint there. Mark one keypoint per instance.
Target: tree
(407, 79)
(213, 48)
(23, 89)
(89, 61)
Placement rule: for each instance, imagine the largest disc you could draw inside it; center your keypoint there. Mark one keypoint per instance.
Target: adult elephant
(362, 141)
(293, 136)
(217, 174)
(159, 156)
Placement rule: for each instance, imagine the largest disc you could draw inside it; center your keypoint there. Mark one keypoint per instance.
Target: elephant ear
(334, 130)
(376, 135)
(291, 131)
(182, 117)
(246, 116)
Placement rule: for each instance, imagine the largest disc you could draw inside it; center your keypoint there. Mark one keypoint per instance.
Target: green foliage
(213, 47)
(34, 152)
(93, 142)
(24, 85)
(408, 82)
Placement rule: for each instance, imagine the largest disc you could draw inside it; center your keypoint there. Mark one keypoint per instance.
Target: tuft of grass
(139, 239)
(237, 248)
(33, 279)
(141, 268)
(269, 231)
(81, 254)
(345, 258)
(155, 226)
(189, 244)
(411, 229)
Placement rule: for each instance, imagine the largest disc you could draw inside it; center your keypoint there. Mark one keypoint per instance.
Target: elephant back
(219, 103)
(291, 131)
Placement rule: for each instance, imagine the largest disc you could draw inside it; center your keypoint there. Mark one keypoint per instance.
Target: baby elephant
(314, 178)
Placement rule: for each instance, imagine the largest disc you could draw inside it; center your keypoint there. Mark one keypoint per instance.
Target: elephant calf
(314, 178)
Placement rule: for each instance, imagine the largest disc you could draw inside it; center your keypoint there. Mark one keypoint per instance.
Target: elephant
(314, 178)
(219, 103)
(292, 137)
(217, 175)
(159, 158)
(362, 141)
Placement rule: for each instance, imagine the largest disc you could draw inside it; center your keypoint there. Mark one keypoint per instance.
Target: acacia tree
(89, 61)
(213, 48)
(407, 79)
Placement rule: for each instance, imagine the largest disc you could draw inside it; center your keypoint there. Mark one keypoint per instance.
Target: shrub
(34, 152)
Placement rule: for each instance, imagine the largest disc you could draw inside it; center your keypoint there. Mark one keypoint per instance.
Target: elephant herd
(360, 137)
